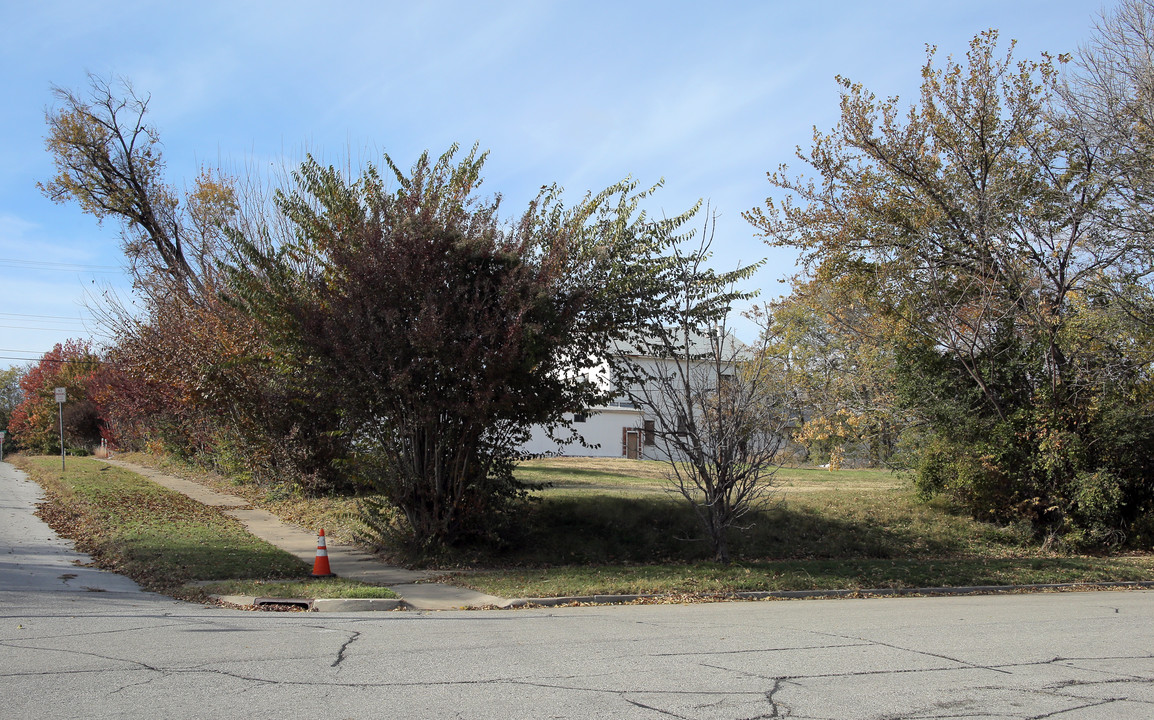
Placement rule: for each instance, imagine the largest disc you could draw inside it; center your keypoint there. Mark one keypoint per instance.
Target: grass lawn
(333, 513)
(159, 538)
(592, 512)
(708, 579)
(612, 527)
(606, 526)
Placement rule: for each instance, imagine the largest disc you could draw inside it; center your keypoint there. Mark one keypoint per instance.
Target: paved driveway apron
(34, 558)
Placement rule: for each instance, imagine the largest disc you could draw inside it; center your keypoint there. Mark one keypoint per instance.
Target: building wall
(605, 428)
(602, 428)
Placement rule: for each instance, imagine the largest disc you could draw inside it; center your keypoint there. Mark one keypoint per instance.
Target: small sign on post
(61, 398)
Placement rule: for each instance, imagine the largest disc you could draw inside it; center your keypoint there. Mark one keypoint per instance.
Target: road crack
(862, 643)
(344, 647)
(654, 709)
(1057, 713)
(774, 707)
(920, 652)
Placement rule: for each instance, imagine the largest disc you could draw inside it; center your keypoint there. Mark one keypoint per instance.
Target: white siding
(602, 427)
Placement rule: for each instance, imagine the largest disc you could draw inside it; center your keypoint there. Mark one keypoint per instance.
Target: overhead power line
(35, 353)
(33, 327)
(56, 323)
(82, 361)
(69, 267)
(44, 317)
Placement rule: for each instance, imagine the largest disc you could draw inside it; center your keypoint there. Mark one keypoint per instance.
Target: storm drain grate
(295, 603)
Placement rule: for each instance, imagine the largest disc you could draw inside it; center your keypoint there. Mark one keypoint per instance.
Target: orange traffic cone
(321, 564)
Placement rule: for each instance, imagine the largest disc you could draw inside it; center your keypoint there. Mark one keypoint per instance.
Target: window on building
(579, 417)
(650, 432)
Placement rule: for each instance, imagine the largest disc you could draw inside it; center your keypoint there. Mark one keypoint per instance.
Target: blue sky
(708, 97)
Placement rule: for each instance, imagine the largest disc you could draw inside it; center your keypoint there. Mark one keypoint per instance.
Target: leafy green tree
(439, 332)
(980, 223)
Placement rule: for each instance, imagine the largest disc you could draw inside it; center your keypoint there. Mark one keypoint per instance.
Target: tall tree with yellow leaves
(980, 221)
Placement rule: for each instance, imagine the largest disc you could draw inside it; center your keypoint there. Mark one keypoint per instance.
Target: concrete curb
(816, 594)
(364, 605)
(390, 604)
(315, 604)
(357, 604)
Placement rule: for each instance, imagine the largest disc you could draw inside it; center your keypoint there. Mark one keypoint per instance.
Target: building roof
(700, 345)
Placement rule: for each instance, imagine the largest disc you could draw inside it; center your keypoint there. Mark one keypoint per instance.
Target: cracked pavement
(1023, 656)
(122, 653)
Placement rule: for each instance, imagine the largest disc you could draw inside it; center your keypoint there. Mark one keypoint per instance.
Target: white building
(620, 428)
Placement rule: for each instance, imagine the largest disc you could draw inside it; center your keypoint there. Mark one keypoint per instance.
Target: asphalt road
(70, 652)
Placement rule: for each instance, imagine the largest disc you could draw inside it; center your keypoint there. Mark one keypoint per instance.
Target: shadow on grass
(161, 558)
(161, 561)
(610, 529)
(562, 476)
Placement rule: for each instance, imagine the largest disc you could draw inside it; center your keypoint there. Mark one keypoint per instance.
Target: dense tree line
(348, 337)
(975, 303)
(32, 414)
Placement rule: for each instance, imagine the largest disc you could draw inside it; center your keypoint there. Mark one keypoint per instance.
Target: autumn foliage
(35, 423)
(434, 334)
(335, 334)
(988, 233)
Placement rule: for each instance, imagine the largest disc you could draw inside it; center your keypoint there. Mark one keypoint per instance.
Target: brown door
(632, 444)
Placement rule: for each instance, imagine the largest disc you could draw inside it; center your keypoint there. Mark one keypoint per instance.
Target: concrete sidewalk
(345, 560)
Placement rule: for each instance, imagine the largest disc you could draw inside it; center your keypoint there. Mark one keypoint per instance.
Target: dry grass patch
(713, 579)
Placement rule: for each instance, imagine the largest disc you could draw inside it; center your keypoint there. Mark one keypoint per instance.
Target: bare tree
(1111, 91)
(713, 405)
(1110, 101)
(108, 160)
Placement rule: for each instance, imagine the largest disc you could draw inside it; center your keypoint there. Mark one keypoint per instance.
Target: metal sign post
(1, 444)
(61, 397)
